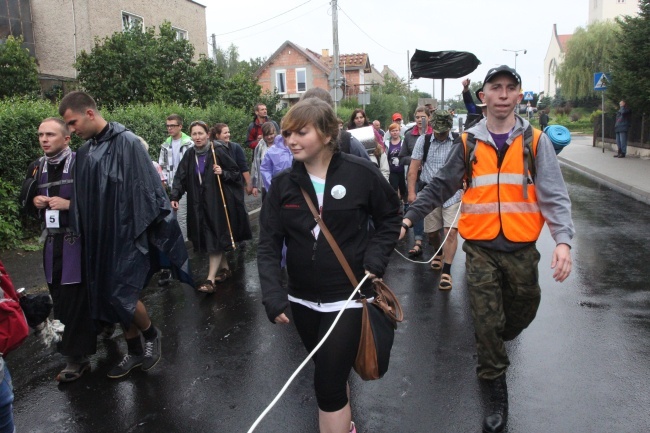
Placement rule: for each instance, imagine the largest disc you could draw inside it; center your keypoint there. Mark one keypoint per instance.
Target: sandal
(445, 282)
(206, 287)
(73, 371)
(223, 275)
(416, 251)
(436, 263)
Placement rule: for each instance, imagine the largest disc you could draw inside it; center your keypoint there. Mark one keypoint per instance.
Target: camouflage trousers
(504, 295)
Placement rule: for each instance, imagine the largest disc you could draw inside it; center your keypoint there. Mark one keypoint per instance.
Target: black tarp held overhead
(442, 64)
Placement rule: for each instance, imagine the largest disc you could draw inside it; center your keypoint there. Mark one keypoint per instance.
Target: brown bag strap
(387, 301)
(330, 239)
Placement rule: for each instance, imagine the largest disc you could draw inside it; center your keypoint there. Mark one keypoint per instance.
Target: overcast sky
(387, 29)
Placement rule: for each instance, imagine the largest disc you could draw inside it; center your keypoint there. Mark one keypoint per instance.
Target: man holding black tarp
(502, 214)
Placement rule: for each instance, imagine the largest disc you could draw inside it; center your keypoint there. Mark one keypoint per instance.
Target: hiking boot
(151, 352)
(165, 277)
(128, 363)
(497, 417)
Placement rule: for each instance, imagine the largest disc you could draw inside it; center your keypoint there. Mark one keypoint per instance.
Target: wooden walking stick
(223, 199)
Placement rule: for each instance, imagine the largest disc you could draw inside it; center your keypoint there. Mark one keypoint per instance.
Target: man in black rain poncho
(125, 218)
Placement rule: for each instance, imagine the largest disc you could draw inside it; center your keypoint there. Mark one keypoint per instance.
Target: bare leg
(214, 262)
(141, 321)
(223, 262)
(335, 422)
(450, 246)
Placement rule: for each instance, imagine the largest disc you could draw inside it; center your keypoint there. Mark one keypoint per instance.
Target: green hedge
(19, 120)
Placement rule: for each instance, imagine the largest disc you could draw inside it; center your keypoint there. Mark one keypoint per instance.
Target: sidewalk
(629, 176)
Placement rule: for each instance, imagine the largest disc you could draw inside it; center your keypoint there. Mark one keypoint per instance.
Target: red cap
(397, 116)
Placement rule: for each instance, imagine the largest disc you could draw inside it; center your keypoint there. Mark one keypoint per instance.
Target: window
(281, 81)
(301, 79)
(621, 1)
(130, 21)
(180, 33)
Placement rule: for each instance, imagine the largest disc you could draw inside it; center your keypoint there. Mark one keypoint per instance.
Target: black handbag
(379, 317)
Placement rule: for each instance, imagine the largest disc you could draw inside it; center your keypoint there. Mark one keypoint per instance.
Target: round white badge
(338, 192)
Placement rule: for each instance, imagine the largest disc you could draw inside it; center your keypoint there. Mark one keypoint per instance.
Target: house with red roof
(293, 70)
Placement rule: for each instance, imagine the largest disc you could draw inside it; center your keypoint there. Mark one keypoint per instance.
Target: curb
(616, 185)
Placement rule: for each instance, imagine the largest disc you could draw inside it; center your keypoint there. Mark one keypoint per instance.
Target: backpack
(13, 325)
(531, 138)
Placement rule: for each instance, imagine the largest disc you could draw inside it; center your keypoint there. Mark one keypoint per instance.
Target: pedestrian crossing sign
(528, 96)
(601, 80)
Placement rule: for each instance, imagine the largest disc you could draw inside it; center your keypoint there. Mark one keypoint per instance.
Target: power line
(271, 28)
(262, 22)
(369, 37)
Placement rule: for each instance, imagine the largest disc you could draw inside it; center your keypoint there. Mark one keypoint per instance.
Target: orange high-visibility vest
(495, 201)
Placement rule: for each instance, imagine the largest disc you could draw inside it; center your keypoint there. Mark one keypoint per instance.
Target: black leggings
(336, 356)
(398, 183)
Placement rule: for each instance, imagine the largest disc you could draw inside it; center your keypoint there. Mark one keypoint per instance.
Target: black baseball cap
(503, 69)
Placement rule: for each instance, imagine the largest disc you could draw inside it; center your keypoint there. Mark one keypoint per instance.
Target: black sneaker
(151, 352)
(165, 277)
(128, 363)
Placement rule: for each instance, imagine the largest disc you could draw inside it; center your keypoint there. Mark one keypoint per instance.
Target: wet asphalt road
(582, 366)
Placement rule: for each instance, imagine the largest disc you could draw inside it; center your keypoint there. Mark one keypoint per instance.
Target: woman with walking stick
(348, 191)
(216, 216)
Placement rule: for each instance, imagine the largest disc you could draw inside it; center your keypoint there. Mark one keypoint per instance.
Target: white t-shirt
(176, 153)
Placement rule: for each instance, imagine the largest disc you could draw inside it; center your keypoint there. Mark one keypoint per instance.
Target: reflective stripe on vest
(495, 202)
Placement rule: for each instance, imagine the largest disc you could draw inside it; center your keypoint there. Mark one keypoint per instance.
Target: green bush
(10, 229)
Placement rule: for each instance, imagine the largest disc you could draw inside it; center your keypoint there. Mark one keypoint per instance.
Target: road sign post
(601, 81)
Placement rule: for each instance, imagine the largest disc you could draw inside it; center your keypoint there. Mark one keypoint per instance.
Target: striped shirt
(436, 158)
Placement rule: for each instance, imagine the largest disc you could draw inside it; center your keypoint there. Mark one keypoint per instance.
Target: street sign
(363, 98)
(528, 96)
(336, 93)
(601, 80)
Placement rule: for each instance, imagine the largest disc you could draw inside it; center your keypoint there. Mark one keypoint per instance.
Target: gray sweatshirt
(552, 195)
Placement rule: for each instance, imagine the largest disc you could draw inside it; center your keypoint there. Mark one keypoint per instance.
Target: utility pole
(214, 47)
(408, 70)
(335, 37)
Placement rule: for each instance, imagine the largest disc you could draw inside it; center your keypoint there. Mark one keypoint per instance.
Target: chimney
(325, 52)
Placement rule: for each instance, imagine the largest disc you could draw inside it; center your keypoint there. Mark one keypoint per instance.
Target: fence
(638, 135)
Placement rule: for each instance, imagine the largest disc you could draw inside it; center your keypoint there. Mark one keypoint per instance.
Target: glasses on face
(172, 126)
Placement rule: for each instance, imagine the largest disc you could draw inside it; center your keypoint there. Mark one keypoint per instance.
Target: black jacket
(315, 274)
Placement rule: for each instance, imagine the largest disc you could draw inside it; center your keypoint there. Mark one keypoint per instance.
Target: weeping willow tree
(589, 51)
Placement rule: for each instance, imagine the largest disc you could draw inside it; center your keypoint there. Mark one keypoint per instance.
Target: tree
(590, 50)
(631, 65)
(242, 90)
(138, 66)
(19, 70)
(207, 82)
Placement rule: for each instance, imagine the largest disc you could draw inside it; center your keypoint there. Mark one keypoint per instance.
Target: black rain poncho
(125, 218)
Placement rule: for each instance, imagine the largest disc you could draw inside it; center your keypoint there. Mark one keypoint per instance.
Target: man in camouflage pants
(502, 214)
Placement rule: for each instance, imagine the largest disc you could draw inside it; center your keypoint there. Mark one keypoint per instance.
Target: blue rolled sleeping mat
(559, 135)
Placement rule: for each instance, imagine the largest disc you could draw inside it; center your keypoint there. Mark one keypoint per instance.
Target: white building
(599, 10)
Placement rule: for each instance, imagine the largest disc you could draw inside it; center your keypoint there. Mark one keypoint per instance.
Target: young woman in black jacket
(349, 192)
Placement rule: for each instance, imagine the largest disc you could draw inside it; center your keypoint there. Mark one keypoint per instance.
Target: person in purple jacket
(277, 158)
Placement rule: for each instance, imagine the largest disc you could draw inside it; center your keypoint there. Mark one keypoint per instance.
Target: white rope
(313, 352)
(441, 245)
